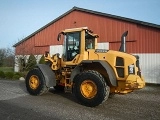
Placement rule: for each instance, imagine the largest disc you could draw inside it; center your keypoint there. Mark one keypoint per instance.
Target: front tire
(35, 82)
(90, 88)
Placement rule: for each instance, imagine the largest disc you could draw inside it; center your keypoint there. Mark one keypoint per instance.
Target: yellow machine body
(120, 70)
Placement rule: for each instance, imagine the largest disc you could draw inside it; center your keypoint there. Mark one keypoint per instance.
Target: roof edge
(92, 12)
(118, 17)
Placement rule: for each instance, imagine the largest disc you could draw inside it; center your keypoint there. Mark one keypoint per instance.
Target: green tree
(31, 62)
(2, 56)
(42, 60)
(6, 57)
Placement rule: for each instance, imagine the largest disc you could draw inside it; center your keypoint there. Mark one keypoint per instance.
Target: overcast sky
(20, 18)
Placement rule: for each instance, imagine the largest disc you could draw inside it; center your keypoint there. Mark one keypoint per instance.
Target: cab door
(71, 46)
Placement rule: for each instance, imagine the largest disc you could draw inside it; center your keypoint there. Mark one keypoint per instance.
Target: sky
(20, 18)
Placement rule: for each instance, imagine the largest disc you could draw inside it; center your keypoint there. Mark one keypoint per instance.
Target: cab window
(89, 41)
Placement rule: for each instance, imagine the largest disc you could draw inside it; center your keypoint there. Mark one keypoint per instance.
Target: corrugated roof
(91, 12)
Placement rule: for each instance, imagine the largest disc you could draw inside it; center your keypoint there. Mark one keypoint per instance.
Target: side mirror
(59, 37)
(46, 54)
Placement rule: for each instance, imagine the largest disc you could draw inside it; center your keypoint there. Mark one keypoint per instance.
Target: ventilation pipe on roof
(123, 42)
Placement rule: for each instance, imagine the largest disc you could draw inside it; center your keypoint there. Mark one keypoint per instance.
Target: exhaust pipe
(123, 42)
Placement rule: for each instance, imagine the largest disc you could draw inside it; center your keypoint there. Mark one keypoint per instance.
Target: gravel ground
(17, 104)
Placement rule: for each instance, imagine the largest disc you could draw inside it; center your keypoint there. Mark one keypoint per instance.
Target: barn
(143, 38)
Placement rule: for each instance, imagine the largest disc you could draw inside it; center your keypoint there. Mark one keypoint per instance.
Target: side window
(73, 44)
(89, 41)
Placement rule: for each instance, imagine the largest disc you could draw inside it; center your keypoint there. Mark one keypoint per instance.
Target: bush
(19, 73)
(12, 75)
(9, 75)
(16, 77)
(42, 60)
(2, 74)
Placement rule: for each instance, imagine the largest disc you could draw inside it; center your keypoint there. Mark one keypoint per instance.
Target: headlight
(131, 69)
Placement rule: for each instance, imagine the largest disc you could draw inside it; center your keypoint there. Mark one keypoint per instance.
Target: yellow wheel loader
(91, 74)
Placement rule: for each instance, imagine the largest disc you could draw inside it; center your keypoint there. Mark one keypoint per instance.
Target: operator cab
(76, 41)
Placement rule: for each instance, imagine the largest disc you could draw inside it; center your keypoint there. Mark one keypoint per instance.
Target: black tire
(97, 85)
(35, 82)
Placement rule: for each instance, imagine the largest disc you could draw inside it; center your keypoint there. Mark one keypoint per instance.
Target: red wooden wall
(140, 39)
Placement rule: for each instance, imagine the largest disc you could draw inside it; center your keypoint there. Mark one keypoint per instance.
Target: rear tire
(90, 88)
(35, 82)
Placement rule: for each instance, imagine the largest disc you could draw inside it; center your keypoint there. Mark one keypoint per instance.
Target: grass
(7, 69)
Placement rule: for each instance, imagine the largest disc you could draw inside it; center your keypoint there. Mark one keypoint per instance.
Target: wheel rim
(34, 82)
(88, 89)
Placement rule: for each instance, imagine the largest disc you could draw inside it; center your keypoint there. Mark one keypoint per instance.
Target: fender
(104, 64)
(48, 74)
